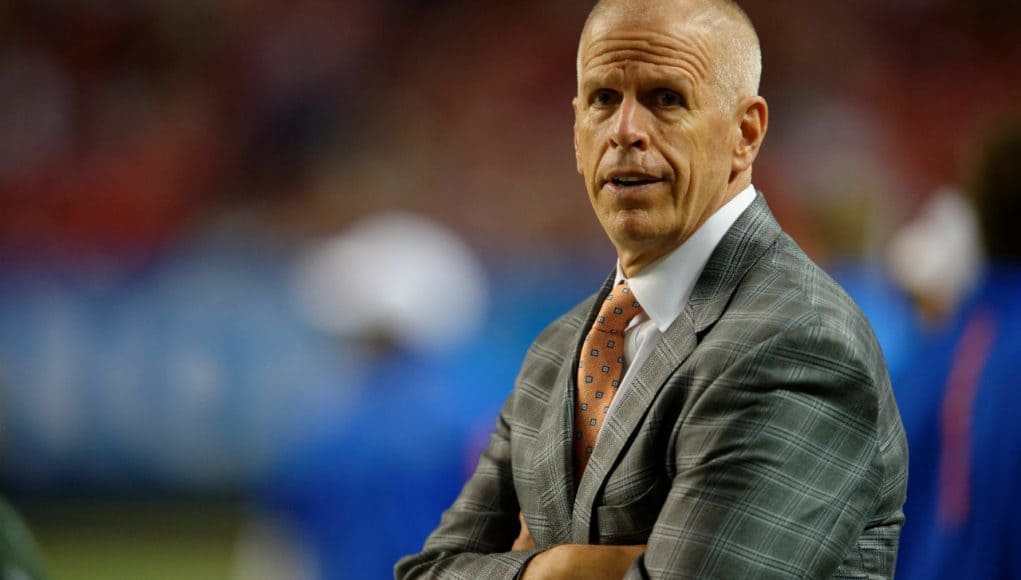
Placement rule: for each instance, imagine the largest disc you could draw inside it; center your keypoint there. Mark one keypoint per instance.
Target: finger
(524, 540)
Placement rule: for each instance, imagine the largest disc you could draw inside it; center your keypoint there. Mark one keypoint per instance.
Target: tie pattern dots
(600, 369)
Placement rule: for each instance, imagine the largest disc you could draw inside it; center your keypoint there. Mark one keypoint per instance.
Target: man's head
(996, 187)
(667, 119)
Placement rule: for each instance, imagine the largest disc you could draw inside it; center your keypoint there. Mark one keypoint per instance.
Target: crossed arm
(773, 480)
(575, 561)
(473, 537)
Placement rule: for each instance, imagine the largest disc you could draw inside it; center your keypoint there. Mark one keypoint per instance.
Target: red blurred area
(128, 124)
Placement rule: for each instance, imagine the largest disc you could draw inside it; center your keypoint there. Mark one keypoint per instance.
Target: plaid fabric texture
(760, 440)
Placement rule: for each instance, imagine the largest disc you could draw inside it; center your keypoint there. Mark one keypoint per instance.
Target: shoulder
(790, 328)
(759, 286)
(787, 295)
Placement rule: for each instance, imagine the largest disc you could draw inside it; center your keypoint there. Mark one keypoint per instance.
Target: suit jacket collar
(664, 286)
(750, 236)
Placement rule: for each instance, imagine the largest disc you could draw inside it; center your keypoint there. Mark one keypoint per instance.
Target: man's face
(653, 141)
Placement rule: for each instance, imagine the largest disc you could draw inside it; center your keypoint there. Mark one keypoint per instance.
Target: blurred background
(219, 220)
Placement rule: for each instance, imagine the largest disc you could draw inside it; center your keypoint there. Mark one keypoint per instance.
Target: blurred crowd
(193, 195)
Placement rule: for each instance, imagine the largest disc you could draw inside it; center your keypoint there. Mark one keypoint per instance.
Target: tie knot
(617, 310)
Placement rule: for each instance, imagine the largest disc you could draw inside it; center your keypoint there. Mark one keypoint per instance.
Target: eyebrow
(682, 80)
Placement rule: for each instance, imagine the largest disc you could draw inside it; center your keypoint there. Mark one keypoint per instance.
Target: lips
(629, 180)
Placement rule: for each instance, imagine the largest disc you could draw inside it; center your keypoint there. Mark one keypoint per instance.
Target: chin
(633, 227)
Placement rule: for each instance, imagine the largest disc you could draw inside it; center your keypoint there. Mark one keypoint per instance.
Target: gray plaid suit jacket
(760, 440)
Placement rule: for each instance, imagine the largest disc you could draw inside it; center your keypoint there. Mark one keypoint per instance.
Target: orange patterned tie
(600, 368)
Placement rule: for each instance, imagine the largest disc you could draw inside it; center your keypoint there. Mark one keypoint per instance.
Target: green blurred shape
(135, 539)
(19, 556)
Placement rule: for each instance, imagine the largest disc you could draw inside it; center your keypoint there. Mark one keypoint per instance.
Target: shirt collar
(663, 287)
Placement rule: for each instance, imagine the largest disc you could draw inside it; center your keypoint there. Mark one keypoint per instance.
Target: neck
(635, 259)
(633, 262)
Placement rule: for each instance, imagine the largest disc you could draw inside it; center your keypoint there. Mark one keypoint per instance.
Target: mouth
(630, 181)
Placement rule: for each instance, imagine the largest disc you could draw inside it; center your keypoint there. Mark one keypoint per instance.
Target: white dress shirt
(663, 287)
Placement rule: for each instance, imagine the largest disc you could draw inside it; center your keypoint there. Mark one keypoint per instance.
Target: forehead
(667, 42)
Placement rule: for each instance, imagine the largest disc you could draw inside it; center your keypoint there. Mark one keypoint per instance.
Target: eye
(667, 99)
(603, 98)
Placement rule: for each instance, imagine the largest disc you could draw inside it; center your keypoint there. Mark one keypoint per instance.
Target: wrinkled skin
(648, 112)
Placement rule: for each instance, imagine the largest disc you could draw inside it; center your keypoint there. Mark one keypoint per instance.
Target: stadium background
(194, 383)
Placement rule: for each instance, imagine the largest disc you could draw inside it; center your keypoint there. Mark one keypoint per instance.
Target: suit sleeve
(774, 464)
(475, 535)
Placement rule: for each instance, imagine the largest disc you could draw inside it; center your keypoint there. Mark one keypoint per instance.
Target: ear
(577, 157)
(752, 122)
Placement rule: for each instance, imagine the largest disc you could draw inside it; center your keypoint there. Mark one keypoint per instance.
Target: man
(748, 430)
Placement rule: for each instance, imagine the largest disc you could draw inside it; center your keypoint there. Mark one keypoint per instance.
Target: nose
(631, 126)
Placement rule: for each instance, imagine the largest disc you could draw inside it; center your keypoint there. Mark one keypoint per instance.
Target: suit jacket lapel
(744, 243)
(552, 459)
(635, 402)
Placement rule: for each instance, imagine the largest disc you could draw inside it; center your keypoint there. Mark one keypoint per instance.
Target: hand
(582, 562)
(524, 539)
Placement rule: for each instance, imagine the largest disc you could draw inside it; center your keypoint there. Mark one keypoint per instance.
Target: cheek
(587, 157)
(588, 138)
(690, 148)
(680, 152)
(717, 140)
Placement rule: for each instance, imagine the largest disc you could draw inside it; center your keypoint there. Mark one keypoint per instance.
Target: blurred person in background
(960, 397)
(936, 258)
(369, 466)
(743, 413)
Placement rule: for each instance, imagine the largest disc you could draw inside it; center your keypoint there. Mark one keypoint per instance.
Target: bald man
(743, 425)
